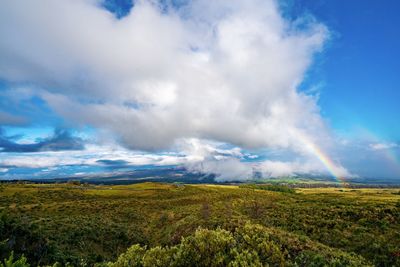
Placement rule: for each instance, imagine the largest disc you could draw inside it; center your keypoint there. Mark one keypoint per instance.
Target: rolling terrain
(155, 224)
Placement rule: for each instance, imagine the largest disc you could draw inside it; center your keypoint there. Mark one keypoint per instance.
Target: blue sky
(359, 67)
(229, 88)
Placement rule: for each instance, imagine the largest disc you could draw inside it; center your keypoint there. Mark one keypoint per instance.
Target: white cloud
(231, 165)
(232, 169)
(310, 166)
(40, 160)
(279, 168)
(228, 169)
(199, 156)
(238, 85)
(93, 155)
(382, 146)
(225, 71)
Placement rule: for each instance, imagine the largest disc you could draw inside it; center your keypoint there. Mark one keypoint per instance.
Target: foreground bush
(250, 245)
(10, 262)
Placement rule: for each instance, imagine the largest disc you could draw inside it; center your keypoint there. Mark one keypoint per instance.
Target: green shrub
(249, 245)
(21, 262)
(131, 258)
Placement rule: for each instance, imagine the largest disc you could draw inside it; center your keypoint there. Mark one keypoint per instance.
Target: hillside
(204, 225)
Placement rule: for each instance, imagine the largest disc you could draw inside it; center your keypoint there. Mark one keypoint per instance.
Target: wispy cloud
(383, 146)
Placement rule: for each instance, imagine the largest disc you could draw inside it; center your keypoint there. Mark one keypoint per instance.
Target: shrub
(21, 262)
(249, 245)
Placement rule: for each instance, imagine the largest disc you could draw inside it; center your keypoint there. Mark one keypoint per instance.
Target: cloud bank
(226, 164)
(226, 71)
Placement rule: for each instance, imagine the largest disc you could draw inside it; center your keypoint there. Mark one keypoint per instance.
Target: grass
(97, 223)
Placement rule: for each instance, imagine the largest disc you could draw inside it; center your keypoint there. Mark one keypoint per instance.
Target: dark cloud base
(61, 140)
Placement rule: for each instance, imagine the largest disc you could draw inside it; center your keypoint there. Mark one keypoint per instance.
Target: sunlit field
(88, 224)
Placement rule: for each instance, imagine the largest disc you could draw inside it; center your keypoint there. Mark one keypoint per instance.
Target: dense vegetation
(269, 187)
(205, 225)
(250, 245)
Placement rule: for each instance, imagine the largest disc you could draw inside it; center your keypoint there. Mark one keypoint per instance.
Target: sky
(235, 88)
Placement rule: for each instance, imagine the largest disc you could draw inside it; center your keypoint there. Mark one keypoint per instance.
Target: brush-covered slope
(87, 224)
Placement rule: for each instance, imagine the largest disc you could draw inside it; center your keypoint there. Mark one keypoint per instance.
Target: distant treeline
(292, 184)
(269, 187)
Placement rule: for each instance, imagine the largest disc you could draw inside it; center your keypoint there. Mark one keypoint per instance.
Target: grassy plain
(85, 224)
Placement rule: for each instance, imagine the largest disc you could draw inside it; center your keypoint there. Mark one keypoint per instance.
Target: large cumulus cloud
(223, 70)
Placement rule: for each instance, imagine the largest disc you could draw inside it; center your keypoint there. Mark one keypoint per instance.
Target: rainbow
(337, 171)
(388, 153)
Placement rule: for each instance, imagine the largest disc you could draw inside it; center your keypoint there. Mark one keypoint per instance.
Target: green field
(176, 224)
